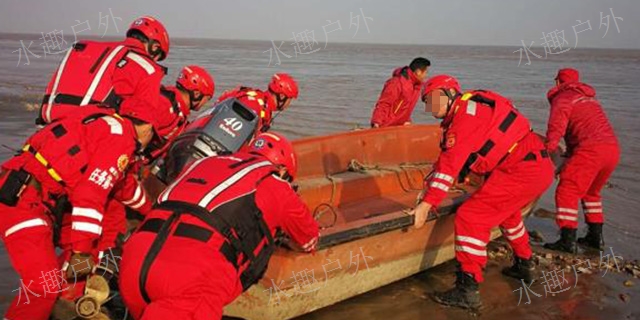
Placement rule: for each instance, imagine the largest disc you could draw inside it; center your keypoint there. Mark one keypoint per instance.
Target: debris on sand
(624, 297)
(542, 261)
(632, 268)
(584, 263)
(584, 270)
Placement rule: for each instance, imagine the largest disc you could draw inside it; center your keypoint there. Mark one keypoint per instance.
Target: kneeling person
(210, 236)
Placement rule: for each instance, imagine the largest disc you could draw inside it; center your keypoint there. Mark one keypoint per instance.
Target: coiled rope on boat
(357, 166)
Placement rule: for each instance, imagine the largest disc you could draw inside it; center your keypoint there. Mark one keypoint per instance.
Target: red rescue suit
(180, 110)
(592, 147)
(94, 75)
(397, 100)
(77, 158)
(176, 121)
(128, 192)
(262, 103)
(210, 238)
(486, 135)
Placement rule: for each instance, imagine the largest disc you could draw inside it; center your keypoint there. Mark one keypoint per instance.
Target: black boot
(521, 269)
(567, 242)
(594, 238)
(464, 295)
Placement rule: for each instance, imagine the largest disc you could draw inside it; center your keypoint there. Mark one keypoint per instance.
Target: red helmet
(277, 149)
(442, 81)
(194, 78)
(154, 31)
(282, 83)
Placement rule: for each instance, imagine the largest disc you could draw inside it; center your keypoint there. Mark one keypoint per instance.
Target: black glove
(79, 264)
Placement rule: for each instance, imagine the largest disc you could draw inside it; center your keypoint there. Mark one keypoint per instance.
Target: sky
(421, 22)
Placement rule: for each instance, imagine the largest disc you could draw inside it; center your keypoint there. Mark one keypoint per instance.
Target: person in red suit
(66, 173)
(593, 154)
(217, 228)
(95, 75)
(281, 91)
(483, 133)
(400, 95)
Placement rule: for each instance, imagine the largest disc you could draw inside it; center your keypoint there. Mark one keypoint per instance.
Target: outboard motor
(224, 129)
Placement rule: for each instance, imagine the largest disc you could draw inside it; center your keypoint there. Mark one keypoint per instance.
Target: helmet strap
(275, 115)
(281, 101)
(452, 99)
(286, 176)
(155, 53)
(194, 101)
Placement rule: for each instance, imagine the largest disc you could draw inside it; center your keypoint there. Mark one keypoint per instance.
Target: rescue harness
(237, 221)
(494, 150)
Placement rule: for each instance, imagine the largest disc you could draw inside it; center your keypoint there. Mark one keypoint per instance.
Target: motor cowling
(224, 129)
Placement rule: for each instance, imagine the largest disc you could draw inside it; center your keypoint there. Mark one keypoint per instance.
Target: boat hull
(366, 179)
(390, 257)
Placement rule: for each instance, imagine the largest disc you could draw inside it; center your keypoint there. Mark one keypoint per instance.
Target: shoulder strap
(171, 96)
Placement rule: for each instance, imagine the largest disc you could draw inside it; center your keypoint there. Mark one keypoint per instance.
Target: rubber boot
(521, 269)
(594, 238)
(464, 295)
(567, 242)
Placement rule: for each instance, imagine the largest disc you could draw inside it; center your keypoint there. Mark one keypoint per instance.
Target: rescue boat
(359, 186)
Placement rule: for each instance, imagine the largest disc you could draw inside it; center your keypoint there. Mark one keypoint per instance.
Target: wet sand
(594, 297)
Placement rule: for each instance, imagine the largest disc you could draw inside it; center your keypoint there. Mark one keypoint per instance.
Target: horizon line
(97, 36)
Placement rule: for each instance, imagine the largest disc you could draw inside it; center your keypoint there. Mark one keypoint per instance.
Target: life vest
(84, 77)
(226, 206)
(180, 117)
(505, 129)
(257, 100)
(61, 147)
(224, 129)
(163, 140)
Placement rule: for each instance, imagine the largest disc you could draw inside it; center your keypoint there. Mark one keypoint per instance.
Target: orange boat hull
(358, 184)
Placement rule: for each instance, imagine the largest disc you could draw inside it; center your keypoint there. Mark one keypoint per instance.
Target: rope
(317, 214)
(356, 166)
